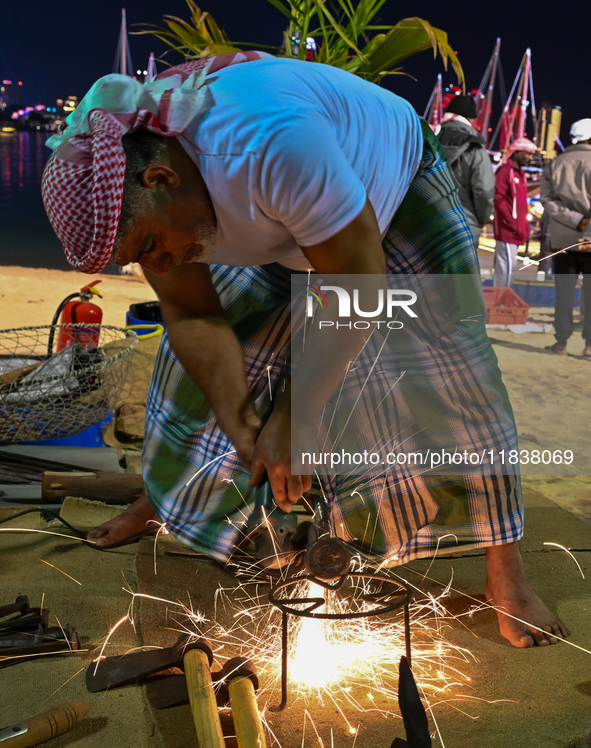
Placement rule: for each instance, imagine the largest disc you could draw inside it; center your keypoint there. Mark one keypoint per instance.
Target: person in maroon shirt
(511, 226)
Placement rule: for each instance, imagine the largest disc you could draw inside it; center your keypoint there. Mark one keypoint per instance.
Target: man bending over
(222, 178)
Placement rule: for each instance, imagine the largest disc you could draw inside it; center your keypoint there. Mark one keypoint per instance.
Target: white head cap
(580, 130)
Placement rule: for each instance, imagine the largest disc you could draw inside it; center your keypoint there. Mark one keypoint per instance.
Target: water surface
(26, 236)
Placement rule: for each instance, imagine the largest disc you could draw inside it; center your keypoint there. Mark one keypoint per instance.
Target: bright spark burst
(351, 665)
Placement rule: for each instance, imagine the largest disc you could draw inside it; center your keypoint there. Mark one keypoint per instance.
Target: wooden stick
(49, 725)
(13, 376)
(245, 712)
(112, 488)
(202, 697)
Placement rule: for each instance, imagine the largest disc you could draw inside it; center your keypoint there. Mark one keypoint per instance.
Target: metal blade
(166, 692)
(13, 731)
(127, 669)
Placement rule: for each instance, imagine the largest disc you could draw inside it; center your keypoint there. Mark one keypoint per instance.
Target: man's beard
(205, 241)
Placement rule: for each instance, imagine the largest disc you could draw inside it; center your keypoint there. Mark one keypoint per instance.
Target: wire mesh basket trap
(50, 395)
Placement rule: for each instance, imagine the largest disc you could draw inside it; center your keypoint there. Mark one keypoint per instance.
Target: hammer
(194, 656)
(21, 605)
(26, 623)
(239, 682)
(239, 676)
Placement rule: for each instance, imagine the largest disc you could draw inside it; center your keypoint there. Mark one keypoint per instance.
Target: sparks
(61, 571)
(566, 550)
(109, 635)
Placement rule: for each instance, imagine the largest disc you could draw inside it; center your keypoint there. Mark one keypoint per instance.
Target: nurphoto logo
(388, 301)
(394, 299)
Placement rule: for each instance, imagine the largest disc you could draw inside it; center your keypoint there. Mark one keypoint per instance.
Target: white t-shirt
(289, 152)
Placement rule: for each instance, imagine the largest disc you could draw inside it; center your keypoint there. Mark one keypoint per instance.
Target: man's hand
(584, 244)
(272, 453)
(244, 432)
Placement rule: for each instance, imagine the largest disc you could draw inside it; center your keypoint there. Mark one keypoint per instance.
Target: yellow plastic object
(156, 328)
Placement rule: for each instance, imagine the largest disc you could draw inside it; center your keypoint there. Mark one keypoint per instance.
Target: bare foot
(134, 519)
(508, 590)
(559, 349)
(587, 351)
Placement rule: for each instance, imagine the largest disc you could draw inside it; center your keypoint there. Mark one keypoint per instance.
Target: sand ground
(530, 699)
(30, 296)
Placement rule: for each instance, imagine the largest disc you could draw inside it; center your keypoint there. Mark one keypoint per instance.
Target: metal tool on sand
(235, 684)
(194, 656)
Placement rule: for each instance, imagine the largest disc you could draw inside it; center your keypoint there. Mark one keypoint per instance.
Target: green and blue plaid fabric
(196, 484)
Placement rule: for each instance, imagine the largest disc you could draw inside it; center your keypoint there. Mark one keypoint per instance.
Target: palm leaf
(345, 35)
(407, 39)
(281, 7)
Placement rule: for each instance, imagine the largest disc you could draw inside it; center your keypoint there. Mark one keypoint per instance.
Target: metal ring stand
(390, 600)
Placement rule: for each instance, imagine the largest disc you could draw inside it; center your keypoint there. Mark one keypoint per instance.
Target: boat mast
(434, 110)
(506, 122)
(522, 101)
(489, 93)
(123, 63)
(152, 72)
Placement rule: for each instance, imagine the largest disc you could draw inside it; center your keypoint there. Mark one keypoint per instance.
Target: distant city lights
(71, 102)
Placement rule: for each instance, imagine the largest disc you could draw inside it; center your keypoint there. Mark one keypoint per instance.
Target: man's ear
(159, 175)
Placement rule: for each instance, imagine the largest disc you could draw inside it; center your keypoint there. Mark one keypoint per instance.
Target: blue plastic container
(92, 437)
(142, 314)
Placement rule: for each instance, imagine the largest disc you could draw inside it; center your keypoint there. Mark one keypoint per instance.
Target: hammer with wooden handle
(204, 708)
(44, 726)
(235, 684)
(240, 678)
(193, 655)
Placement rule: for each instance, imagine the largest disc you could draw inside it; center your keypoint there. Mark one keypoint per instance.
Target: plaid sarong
(193, 478)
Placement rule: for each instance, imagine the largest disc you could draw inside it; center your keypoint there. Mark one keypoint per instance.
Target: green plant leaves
(344, 34)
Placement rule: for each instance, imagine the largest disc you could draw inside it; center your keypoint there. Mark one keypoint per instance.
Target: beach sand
(30, 296)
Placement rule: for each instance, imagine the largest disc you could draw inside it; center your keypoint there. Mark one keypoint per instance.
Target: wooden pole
(112, 488)
(245, 713)
(49, 725)
(202, 697)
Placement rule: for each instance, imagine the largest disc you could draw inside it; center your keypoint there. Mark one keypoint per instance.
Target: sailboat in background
(123, 64)
(512, 122)
(484, 102)
(151, 72)
(434, 109)
(439, 99)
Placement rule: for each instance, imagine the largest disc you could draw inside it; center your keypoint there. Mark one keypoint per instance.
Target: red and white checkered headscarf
(82, 183)
(521, 144)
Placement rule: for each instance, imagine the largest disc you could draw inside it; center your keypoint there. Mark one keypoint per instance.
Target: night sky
(59, 49)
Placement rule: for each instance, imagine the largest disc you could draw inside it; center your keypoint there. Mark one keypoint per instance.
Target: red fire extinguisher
(77, 309)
